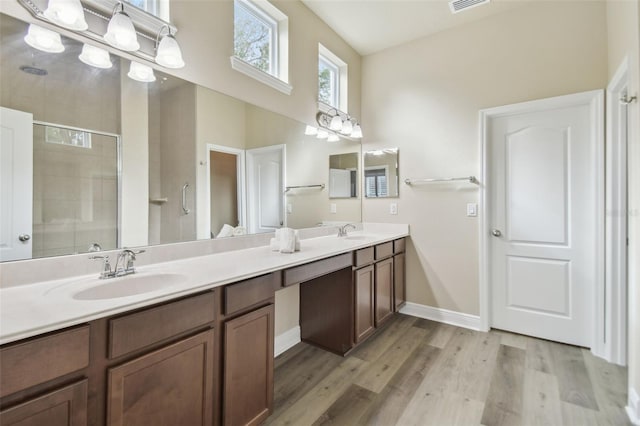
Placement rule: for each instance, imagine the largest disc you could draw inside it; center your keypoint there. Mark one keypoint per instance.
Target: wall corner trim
(446, 316)
(286, 340)
(633, 407)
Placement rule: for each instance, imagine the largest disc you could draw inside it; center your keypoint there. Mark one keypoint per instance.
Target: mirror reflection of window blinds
(376, 183)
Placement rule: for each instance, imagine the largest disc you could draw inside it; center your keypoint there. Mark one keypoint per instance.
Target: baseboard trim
(633, 409)
(286, 340)
(446, 316)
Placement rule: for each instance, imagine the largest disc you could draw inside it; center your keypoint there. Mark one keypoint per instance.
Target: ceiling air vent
(460, 5)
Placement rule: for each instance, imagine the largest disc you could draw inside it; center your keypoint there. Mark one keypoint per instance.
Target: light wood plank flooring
(419, 372)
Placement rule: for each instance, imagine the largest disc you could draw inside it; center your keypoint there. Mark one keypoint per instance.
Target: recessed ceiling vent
(460, 5)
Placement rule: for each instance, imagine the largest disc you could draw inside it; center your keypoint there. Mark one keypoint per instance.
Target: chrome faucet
(127, 256)
(342, 230)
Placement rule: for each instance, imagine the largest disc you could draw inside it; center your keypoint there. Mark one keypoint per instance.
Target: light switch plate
(333, 208)
(393, 208)
(472, 209)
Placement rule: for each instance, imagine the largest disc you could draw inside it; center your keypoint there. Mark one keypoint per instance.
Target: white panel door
(265, 188)
(543, 187)
(16, 183)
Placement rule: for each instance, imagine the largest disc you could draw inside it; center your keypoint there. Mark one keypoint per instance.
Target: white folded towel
(225, 231)
(239, 230)
(274, 244)
(287, 240)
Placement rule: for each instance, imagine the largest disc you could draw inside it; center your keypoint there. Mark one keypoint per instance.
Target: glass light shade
(66, 13)
(169, 54)
(95, 57)
(121, 34)
(322, 134)
(310, 131)
(347, 127)
(333, 138)
(43, 39)
(336, 123)
(356, 132)
(140, 72)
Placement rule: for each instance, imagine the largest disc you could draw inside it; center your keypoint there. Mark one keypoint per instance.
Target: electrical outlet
(334, 208)
(393, 208)
(472, 209)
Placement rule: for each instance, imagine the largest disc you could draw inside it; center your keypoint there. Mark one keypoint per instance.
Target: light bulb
(43, 39)
(140, 72)
(168, 53)
(121, 34)
(95, 57)
(336, 123)
(356, 132)
(310, 131)
(66, 13)
(347, 127)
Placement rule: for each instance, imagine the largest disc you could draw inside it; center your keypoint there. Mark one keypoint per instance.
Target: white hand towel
(274, 244)
(287, 240)
(239, 230)
(225, 231)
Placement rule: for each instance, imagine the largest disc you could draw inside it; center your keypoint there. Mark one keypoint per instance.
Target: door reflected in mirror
(381, 173)
(343, 175)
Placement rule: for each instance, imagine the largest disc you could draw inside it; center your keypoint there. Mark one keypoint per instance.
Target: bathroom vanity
(194, 353)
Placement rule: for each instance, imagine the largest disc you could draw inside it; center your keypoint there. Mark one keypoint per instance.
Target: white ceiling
(370, 26)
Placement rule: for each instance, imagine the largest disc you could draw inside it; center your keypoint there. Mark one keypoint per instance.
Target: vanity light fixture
(140, 72)
(168, 53)
(43, 39)
(66, 13)
(337, 121)
(121, 33)
(95, 56)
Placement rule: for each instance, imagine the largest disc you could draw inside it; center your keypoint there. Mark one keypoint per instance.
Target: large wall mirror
(105, 161)
(381, 173)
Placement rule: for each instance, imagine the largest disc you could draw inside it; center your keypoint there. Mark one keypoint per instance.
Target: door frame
(615, 329)
(242, 186)
(595, 100)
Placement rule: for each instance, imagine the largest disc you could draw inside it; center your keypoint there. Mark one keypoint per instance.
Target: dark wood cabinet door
(62, 407)
(248, 368)
(364, 302)
(383, 290)
(170, 386)
(399, 280)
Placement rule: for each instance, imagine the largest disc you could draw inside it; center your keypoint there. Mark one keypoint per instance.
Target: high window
(159, 8)
(260, 41)
(332, 79)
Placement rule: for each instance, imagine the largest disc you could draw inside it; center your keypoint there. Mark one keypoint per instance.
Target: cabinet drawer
(384, 250)
(363, 257)
(141, 329)
(37, 361)
(398, 246)
(247, 293)
(313, 270)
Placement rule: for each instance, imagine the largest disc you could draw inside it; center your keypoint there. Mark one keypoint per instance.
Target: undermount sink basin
(129, 285)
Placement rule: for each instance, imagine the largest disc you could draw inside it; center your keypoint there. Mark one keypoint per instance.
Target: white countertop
(29, 310)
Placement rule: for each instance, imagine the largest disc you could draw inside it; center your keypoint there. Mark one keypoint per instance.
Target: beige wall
(424, 98)
(623, 19)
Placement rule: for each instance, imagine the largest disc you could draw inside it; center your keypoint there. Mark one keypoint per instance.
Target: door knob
(496, 232)
(24, 237)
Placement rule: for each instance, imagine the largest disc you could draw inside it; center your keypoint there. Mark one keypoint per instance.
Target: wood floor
(419, 372)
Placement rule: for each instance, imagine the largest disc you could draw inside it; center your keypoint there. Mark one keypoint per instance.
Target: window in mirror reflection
(343, 175)
(381, 173)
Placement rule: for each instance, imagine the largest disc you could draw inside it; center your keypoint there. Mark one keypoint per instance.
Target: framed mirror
(381, 173)
(343, 175)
